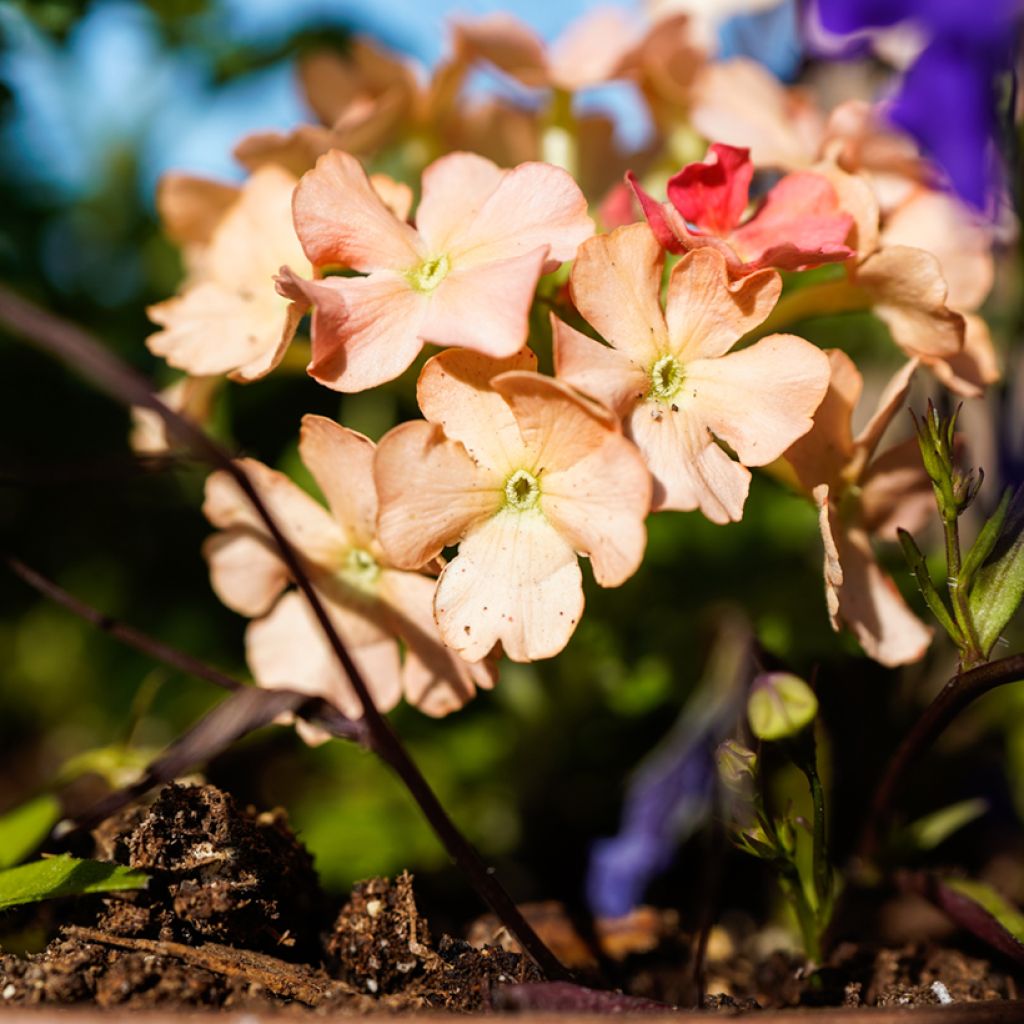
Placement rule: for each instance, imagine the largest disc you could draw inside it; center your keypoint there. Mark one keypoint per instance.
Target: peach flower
(229, 318)
(800, 223)
(523, 475)
(370, 601)
(861, 495)
(191, 397)
(465, 275)
(669, 377)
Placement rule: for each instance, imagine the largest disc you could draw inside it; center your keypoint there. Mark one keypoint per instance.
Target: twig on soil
(84, 354)
(290, 981)
(962, 690)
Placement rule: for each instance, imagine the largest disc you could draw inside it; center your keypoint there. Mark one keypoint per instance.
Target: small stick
(84, 354)
(962, 690)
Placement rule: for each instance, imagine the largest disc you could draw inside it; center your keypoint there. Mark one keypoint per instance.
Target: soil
(234, 918)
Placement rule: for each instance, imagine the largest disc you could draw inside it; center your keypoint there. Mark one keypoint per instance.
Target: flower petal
(707, 312)
(455, 189)
(896, 492)
(486, 306)
(430, 492)
(759, 400)
(190, 207)
(434, 678)
(534, 205)
(616, 285)
(341, 219)
(973, 368)
(454, 391)
(594, 49)
(507, 43)
(246, 572)
(287, 650)
(890, 402)
(366, 330)
(603, 373)
(341, 462)
(713, 194)
(690, 471)
(515, 581)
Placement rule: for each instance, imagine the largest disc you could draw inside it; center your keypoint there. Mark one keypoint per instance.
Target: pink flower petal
(534, 205)
(594, 49)
(616, 285)
(246, 572)
(366, 330)
(603, 373)
(430, 492)
(485, 306)
(759, 400)
(341, 462)
(668, 225)
(803, 210)
(288, 650)
(707, 312)
(713, 195)
(455, 189)
(690, 471)
(820, 456)
(341, 220)
(515, 581)
(454, 391)
(434, 678)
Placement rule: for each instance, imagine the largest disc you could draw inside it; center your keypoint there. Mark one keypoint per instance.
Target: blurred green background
(534, 771)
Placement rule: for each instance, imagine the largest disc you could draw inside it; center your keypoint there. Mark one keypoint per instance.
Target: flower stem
(971, 653)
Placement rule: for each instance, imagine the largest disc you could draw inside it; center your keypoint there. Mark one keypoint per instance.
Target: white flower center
(667, 378)
(522, 491)
(430, 273)
(359, 569)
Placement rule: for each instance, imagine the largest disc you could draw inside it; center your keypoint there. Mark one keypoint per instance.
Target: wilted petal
(713, 194)
(341, 462)
(454, 391)
(821, 454)
(759, 400)
(690, 471)
(341, 219)
(288, 650)
(604, 373)
(616, 285)
(828, 524)
(430, 493)
(485, 306)
(890, 402)
(515, 580)
(366, 330)
(434, 678)
(246, 572)
(455, 189)
(909, 296)
(534, 205)
(707, 312)
(975, 366)
(595, 488)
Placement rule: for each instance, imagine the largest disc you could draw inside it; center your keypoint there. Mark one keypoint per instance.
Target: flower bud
(737, 766)
(780, 705)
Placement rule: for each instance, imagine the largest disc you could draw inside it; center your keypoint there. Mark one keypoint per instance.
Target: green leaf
(928, 832)
(991, 901)
(64, 876)
(919, 568)
(985, 541)
(999, 585)
(24, 828)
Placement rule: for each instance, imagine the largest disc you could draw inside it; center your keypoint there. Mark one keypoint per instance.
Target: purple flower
(948, 97)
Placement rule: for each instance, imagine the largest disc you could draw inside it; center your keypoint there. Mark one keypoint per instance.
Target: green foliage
(991, 901)
(64, 876)
(24, 828)
(999, 585)
(934, 829)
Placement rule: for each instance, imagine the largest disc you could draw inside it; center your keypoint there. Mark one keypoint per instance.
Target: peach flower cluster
(458, 538)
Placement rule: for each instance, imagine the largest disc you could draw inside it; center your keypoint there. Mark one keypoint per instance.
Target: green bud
(780, 705)
(737, 766)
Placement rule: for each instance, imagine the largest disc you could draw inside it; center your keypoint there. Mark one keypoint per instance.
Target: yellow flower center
(522, 491)
(667, 378)
(359, 569)
(430, 273)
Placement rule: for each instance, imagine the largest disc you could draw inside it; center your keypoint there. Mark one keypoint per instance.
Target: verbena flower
(465, 275)
(523, 475)
(862, 495)
(229, 318)
(369, 600)
(668, 376)
(800, 223)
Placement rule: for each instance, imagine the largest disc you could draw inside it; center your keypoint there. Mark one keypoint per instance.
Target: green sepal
(64, 876)
(999, 583)
(919, 568)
